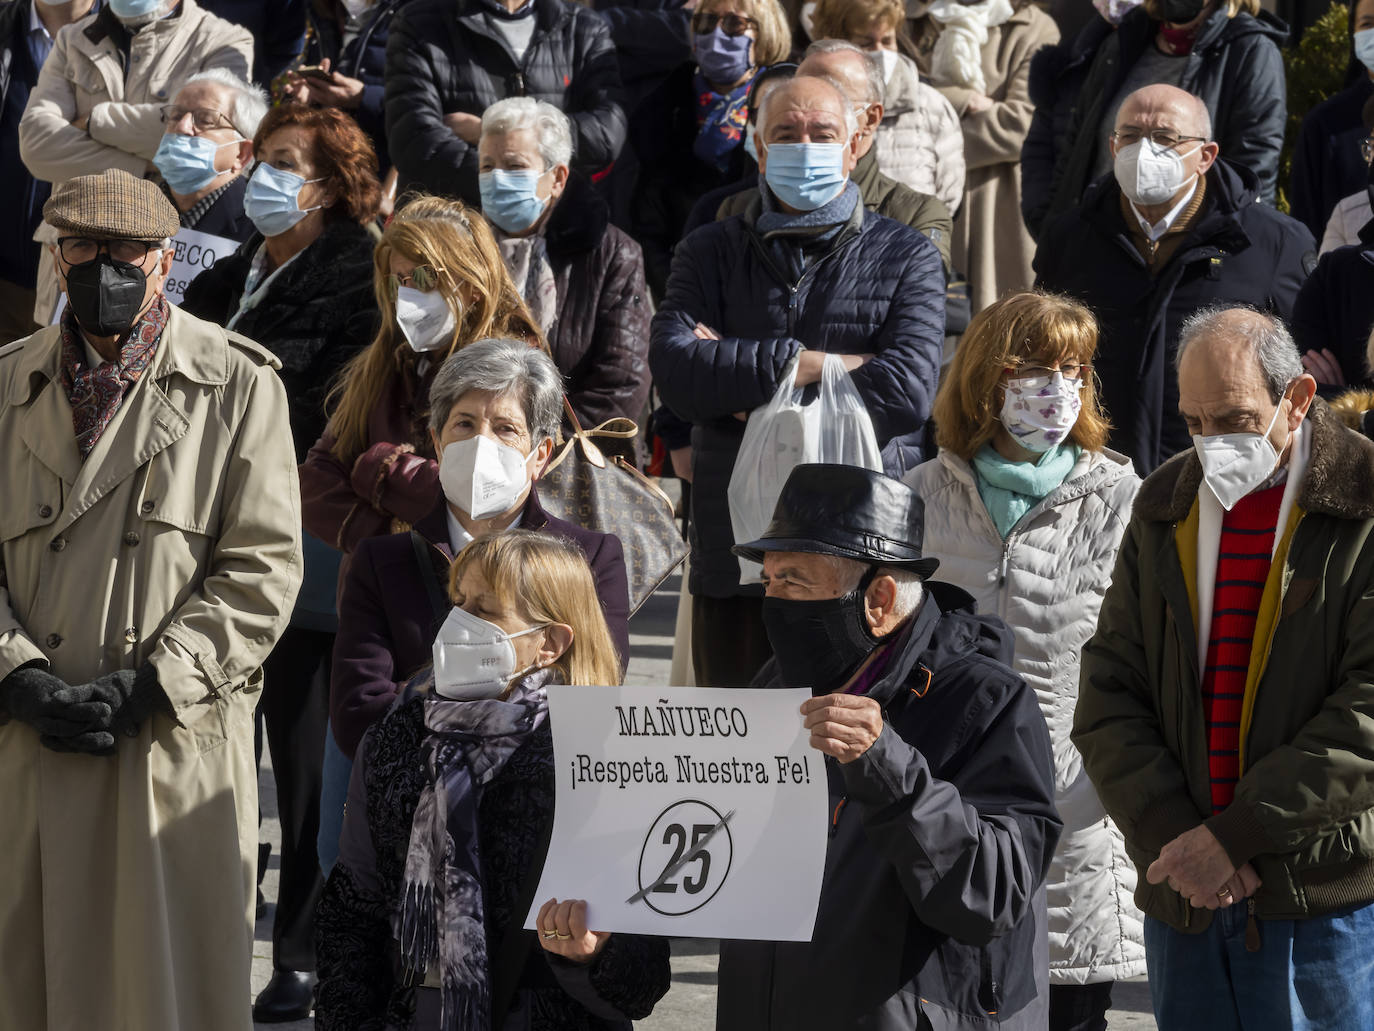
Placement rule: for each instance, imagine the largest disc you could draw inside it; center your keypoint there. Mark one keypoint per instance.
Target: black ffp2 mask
(106, 296)
(819, 644)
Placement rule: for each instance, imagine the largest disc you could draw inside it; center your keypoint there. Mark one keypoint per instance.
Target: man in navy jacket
(788, 282)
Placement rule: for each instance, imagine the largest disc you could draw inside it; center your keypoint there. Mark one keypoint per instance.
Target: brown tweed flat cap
(111, 206)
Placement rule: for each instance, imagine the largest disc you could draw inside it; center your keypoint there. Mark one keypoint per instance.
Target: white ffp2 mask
(482, 477)
(1234, 464)
(425, 318)
(1150, 175)
(474, 658)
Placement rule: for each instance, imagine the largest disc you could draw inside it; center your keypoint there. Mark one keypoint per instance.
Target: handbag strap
(514, 950)
(623, 429)
(437, 601)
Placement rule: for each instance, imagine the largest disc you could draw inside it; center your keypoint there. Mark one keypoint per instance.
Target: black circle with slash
(685, 858)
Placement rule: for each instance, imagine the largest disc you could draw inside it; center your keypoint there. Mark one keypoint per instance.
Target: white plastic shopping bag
(834, 427)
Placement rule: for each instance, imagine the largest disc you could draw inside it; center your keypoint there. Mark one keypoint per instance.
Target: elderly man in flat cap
(149, 558)
(932, 907)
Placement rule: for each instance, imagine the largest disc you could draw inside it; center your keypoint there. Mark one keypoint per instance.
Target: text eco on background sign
(690, 812)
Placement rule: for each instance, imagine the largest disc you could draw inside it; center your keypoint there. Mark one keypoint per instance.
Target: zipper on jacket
(835, 816)
(1252, 939)
(1006, 560)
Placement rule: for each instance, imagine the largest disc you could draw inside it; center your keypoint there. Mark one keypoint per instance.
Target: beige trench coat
(126, 882)
(84, 77)
(991, 245)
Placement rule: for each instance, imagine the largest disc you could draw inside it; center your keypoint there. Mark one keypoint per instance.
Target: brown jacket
(991, 245)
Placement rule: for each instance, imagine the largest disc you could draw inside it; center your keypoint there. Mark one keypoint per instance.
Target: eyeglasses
(1037, 377)
(1165, 138)
(423, 278)
(734, 24)
(77, 250)
(1367, 149)
(204, 119)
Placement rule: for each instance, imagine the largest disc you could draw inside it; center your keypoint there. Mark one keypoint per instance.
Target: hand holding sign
(843, 725)
(562, 928)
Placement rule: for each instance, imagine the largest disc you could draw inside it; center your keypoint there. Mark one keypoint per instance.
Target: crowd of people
(1085, 633)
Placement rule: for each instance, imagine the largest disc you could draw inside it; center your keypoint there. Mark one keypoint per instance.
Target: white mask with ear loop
(424, 318)
(474, 658)
(482, 477)
(1150, 175)
(1234, 464)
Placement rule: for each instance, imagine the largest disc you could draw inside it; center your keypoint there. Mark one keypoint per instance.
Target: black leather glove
(132, 696)
(56, 709)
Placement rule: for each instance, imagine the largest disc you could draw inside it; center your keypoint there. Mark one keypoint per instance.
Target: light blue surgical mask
(187, 163)
(750, 147)
(272, 200)
(135, 12)
(805, 175)
(1364, 48)
(509, 198)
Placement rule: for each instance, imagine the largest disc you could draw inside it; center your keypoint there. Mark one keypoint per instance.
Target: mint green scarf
(1011, 489)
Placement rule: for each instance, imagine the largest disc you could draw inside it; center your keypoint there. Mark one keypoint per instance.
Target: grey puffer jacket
(919, 142)
(1046, 581)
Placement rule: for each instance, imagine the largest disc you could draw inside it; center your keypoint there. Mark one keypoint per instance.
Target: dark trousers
(1080, 1007)
(294, 709)
(729, 644)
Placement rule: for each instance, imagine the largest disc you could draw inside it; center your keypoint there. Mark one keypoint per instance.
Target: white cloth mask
(425, 318)
(1148, 174)
(1039, 411)
(474, 658)
(482, 477)
(889, 59)
(1234, 464)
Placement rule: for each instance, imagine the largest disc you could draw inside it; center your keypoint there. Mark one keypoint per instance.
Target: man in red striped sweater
(1226, 709)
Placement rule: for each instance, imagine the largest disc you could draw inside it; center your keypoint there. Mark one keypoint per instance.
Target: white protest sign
(195, 252)
(690, 812)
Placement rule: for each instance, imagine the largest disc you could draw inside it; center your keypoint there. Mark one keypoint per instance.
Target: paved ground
(690, 1004)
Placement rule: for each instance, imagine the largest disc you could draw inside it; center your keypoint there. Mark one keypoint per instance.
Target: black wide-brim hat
(850, 512)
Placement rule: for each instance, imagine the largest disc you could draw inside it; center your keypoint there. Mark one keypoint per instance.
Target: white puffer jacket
(1046, 581)
(1348, 218)
(919, 142)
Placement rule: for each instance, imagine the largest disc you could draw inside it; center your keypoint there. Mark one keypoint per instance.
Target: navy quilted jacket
(443, 57)
(879, 289)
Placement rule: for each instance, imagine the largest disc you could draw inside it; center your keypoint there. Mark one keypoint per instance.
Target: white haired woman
(581, 276)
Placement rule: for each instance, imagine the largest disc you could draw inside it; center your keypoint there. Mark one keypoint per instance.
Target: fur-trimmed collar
(1339, 480)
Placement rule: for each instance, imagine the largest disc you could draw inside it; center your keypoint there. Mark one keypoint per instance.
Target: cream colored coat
(919, 142)
(991, 245)
(84, 78)
(128, 881)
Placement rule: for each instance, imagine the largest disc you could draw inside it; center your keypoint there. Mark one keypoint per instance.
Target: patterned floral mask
(1039, 411)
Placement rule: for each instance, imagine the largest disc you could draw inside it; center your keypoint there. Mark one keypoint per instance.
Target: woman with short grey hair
(581, 276)
(495, 407)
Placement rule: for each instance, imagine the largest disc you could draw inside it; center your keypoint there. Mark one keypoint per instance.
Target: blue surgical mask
(272, 200)
(135, 11)
(1364, 48)
(805, 175)
(749, 146)
(187, 163)
(722, 59)
(509, 200)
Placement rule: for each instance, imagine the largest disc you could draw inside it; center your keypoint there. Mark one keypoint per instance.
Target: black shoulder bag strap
(437, 600)
(516, 943)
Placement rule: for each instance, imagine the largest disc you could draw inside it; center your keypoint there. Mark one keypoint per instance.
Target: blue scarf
(1011, 489)
(720, 122)
(788, 236)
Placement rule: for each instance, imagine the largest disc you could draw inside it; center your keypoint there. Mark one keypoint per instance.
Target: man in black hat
(932, 908)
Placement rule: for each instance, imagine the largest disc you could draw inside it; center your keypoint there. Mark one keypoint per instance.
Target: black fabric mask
(819, 644)
(1179, 12)
(106, 295)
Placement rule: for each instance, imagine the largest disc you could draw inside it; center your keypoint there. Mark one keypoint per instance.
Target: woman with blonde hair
(919, 141)
(440, 284)
(416, 932)
(1025, 508)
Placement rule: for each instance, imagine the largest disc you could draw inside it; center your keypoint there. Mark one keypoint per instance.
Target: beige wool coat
(84, 77)
(991, 245)
(126, 881)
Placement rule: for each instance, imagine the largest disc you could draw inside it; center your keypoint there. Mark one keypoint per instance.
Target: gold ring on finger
(550, 935)
(1225, 893)
(564, 937)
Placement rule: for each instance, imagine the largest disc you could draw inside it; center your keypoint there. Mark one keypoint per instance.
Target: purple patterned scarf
(96, 393)
(442, 914)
